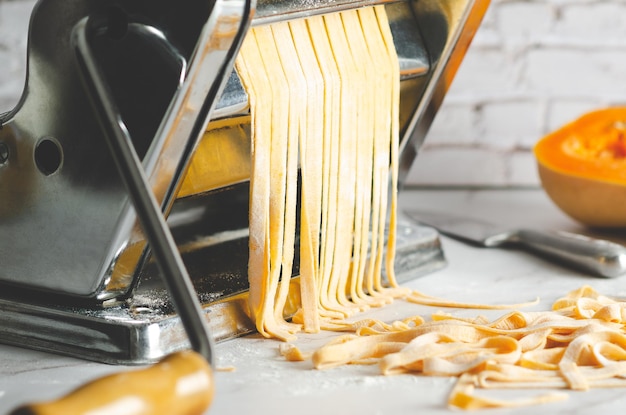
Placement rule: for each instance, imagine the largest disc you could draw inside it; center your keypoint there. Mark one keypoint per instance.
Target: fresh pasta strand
(423, 299)
(311, 133)
(463, 397)
(258, 265)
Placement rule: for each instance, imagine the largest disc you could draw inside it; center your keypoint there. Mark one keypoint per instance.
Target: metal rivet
(4, 153)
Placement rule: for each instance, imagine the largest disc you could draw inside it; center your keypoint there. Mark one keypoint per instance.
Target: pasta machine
(77, 276)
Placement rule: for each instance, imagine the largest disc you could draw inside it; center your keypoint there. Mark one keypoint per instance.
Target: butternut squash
(582, 167)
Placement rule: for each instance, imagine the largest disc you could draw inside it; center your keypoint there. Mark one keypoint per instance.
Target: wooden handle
(180, 384)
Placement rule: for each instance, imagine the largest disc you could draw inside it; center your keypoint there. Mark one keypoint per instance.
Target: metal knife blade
(600, 257)
(473, 231)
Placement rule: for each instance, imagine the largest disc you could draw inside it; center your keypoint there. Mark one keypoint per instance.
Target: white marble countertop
(263, 383)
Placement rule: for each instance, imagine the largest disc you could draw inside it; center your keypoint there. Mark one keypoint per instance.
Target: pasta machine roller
(76, 273)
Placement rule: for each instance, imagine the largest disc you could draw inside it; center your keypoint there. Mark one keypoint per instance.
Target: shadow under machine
(76, 274)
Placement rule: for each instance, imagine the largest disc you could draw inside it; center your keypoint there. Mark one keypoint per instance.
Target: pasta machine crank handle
(180, 384)
(148, 211)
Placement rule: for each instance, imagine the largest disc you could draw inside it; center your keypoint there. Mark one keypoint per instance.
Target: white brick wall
(14, 15)
(534, 65)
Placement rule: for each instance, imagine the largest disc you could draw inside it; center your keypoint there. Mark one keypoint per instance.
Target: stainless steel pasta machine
(76, 274)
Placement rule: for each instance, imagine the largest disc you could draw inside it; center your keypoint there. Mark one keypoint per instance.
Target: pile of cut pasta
(579, 345)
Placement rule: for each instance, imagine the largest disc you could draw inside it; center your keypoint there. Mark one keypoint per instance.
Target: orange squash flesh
(582, 167)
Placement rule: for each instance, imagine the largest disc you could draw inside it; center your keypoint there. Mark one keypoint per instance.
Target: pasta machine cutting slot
(76, 274)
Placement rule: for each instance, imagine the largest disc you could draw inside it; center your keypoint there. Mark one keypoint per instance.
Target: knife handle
(180, 384)
(602, 258)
